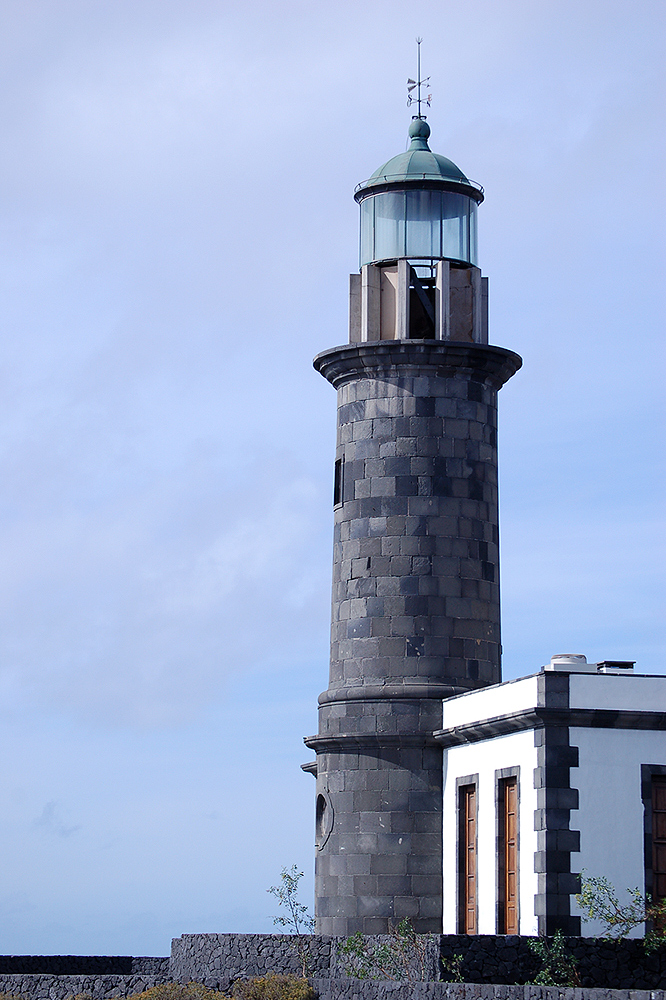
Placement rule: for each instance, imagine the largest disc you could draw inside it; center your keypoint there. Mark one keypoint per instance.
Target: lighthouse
(415, 605)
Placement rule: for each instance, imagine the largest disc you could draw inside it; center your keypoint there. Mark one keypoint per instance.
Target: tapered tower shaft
(415, 615)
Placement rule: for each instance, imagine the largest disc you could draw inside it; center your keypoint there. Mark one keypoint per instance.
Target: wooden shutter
(658, 838)
(510, 848)
(468, 859)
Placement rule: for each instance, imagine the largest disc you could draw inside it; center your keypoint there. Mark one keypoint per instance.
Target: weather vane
(417, 84)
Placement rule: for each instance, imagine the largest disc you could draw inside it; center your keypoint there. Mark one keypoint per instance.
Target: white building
(547, 776)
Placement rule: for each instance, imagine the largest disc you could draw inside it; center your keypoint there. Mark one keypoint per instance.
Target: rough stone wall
(363, 989)
(109, 987)
(493, 963)
(218, 959)
(608, 964)
(54, 987)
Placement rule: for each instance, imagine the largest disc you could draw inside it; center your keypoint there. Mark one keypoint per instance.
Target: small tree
(400, 955)
(598, 899)
(297, 917)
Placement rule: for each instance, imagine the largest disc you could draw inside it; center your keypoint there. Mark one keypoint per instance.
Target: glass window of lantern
(389, 225)
(423, 223)
(458, 225)
(473, 235)
(367, 230)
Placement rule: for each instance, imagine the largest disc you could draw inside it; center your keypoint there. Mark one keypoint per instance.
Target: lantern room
(418, 205)
(419, 277)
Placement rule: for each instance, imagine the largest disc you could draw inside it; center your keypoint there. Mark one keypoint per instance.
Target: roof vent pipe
(571, 663)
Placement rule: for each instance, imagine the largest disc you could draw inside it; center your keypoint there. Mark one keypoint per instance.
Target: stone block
(358, 864)
(393, 843)
(405, 907)
(374, 821)
(365, 885)
(375, 907)
(428, 865)
(366, 801)
(380, 626)
(389, 864)
(387, 586)
(399, 466)
(406, 446)
(402, 823)
(409, 585)
(394, 885)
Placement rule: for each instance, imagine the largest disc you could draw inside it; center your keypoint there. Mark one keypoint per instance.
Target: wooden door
(510, 829)
(468, 859)
(658, 838)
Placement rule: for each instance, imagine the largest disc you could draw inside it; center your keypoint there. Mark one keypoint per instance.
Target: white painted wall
(484, 758)
(632, 692)
(487, 703)
(610, 813)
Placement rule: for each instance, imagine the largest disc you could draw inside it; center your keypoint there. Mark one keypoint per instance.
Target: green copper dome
(417, 165)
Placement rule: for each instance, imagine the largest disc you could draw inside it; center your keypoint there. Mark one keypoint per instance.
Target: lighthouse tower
(415, 611)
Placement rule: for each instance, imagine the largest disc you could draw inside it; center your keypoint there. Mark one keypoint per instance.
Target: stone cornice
(536, 718)
(369, 741)
(391, 692)
(381, 358)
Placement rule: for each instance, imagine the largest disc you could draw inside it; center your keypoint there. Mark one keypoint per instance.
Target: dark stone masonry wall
(415, 616)
(360, 989)
(601, 964)
(84, 965)
(218, 959)
(48, 987)
(54, 987)
(492, 966)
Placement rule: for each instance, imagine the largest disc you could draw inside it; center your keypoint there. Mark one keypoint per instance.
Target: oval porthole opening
(323, 820)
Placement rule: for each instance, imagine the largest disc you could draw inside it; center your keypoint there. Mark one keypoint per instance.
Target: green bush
(558, 967)
(452, 969)
(273, 987)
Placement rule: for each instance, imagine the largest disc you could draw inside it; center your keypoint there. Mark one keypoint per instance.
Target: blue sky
(176, 234)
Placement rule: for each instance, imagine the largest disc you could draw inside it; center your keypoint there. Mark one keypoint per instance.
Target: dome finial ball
(419, 128)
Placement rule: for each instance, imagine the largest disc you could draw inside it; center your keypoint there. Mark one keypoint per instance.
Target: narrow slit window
(658, 838)
(337, 482)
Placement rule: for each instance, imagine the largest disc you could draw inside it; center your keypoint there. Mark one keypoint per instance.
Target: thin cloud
(52, 822)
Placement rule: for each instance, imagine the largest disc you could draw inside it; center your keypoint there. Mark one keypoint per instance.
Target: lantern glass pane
(389, 225)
